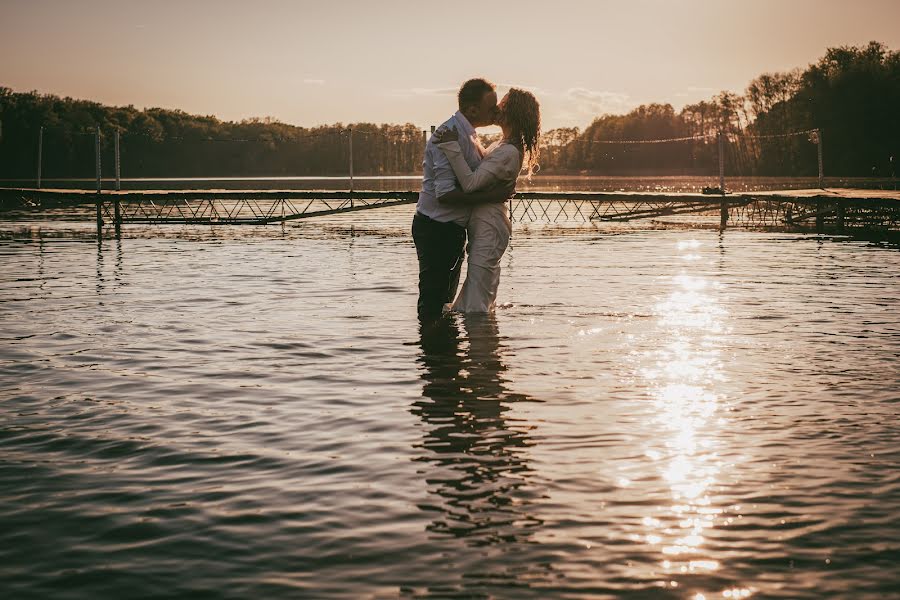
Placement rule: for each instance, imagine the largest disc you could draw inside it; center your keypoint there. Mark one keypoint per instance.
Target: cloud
(594, 102)
(314, 81)
(418, 92)
(698, 88)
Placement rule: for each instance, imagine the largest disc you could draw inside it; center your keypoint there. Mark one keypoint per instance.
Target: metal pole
(97, 157)
(116, 202)
(98, 202)
(723, 208)
(821, 164)
(351, 164)
(40, 155)
(721, 162)
(118, 216)
(893, 172)
(118, 165)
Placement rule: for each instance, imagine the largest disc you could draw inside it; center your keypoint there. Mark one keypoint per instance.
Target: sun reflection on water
(683, 375)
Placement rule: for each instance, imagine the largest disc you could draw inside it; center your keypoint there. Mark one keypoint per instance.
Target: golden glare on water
(683, 376)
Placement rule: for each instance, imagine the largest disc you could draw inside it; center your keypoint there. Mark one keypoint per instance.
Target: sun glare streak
(683, 375)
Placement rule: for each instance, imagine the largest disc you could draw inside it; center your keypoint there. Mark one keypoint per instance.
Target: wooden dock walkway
(836, 208)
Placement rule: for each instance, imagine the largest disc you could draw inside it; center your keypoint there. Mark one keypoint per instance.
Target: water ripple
(667, 414)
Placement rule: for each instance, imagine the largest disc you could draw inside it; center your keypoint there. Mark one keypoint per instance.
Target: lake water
(255, 413)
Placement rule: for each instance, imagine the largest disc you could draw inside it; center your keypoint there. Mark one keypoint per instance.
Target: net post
(350, 130)
(721, 161)
(821, 163)
(97, 157)
(116, 203)
(117, 210)
(893, 172)
(118, 165)
(99, 217)
(40, 156)
(118, 217)
(99, 185)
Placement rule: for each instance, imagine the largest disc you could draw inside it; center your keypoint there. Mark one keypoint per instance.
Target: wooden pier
(833, 208)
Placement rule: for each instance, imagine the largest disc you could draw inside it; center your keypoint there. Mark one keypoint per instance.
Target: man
(442, 212)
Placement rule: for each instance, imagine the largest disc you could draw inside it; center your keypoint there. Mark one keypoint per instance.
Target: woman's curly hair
(523, 113)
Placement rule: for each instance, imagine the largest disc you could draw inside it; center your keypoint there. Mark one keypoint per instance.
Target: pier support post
(40, 156)
(723, 214)
(893, 172)
(841, 212)
(821, 164)
(118, 217)
(97, 157)
(721, 162)
(99, 205)
(118, 167)
(820, 216)
(350, 129)
(99, 202)
(116, 202)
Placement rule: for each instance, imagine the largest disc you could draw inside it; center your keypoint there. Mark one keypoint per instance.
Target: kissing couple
(464, 193)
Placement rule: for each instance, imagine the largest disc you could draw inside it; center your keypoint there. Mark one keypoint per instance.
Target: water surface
(255, 412)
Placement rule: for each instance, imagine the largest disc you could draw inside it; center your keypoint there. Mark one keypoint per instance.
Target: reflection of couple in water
(464, 188)
(476, 453)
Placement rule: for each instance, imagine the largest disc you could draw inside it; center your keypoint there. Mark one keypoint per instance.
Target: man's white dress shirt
(438, 177)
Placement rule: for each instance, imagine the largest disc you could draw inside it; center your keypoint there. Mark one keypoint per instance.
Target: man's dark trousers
(441, 248)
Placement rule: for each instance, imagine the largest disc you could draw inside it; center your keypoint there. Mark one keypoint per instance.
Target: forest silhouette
(851, 94)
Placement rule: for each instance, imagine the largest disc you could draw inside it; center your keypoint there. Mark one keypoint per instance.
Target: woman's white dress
(489, 227)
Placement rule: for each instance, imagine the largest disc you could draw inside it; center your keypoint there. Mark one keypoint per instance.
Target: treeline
(852, 94)
(171, 143)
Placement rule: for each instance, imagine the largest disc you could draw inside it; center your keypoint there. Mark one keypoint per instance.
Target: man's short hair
(473, 91)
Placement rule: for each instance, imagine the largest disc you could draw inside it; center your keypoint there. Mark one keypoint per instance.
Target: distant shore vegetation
(851, 94)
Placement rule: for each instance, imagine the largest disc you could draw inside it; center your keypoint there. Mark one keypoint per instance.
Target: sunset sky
(320, 62)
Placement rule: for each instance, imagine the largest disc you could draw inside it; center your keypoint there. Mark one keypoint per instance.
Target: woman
(489, 226)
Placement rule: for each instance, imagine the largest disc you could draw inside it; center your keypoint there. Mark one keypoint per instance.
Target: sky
(396, 61)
